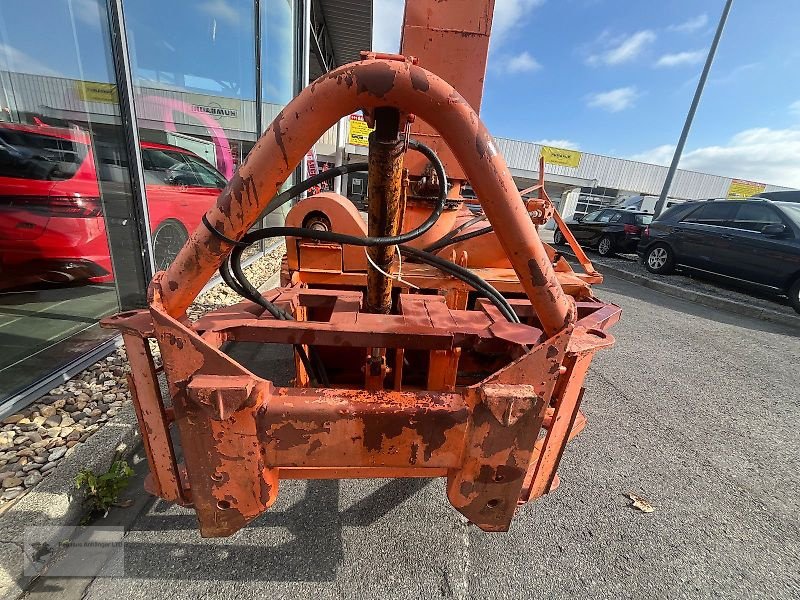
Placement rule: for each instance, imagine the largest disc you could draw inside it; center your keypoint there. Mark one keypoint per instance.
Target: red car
(52, 224)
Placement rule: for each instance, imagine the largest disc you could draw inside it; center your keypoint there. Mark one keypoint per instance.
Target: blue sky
(616, 77)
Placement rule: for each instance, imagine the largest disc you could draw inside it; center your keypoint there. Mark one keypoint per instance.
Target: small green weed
(102, 491)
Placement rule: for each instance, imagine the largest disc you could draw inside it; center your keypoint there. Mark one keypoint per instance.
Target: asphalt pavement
(693, 409)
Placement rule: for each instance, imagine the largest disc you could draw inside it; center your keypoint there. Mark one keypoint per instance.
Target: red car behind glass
(52, 227)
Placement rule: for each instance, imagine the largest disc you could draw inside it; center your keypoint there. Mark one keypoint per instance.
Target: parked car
(52, 223)
(609, 230)
(755, 241)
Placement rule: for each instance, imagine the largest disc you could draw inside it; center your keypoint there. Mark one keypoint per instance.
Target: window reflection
(68, 240)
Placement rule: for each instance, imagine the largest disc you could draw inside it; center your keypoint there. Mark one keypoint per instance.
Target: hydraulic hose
(443, 243)
(467, 276)
(233, 275)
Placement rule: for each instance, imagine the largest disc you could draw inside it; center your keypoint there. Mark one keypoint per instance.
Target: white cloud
(614, 100)
(220, 9)
(521, 63)
(12, 59)
(691, 25)
(565, 144)
(794, 108)
(681, 58)
(660, 155)
(735, 75)
(623, 50)
(387, 21)
(761, 154)
(510, 15)
(87, 11)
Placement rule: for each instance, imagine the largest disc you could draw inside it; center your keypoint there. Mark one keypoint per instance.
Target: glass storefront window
(72, 230)
(194, 73)
(70, 249)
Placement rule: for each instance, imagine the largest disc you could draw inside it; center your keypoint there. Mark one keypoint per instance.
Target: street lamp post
(692, 109)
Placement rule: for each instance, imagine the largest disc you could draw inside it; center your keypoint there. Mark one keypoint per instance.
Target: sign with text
(92, 91)
(311, 163)
(358, 131)
(561, 156)
(741, 188)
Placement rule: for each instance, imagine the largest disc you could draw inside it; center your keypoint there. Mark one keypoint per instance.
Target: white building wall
(620, 173)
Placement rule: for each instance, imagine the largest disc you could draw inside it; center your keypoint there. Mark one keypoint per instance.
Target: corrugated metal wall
(619, 173)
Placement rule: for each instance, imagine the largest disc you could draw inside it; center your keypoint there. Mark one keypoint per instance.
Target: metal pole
(340, 148)
(690, 117)
(130, 129)
(257, 19)
(306, 58)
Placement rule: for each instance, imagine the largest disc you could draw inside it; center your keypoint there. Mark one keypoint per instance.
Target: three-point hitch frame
(423, 378)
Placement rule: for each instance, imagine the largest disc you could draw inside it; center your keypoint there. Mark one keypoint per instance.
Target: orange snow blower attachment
(427, 341)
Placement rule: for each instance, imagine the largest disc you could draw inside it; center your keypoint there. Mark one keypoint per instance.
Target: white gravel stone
(57, 453)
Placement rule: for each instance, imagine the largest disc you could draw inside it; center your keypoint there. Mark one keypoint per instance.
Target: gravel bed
(697, 283)
(33, 440)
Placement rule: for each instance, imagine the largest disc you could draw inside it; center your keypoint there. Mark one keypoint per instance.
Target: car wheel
(168, 239)
(558, 238)
(659, 259)
(605, 246)
(794, 295)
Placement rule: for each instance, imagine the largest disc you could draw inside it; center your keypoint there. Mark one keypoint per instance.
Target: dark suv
(752, 241)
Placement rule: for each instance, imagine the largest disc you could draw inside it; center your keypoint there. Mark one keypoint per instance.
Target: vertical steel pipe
(384, 195)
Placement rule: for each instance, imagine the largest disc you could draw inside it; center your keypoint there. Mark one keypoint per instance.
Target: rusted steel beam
(152, 417)
(359, 472)
(506, 421)
(333, 428)
(240, 434)
(566, 412)
(371, 84)
(384, 199)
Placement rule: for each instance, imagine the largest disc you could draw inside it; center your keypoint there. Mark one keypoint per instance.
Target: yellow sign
(358, 134)
(561, 157)
(91, 91)
(744, 189)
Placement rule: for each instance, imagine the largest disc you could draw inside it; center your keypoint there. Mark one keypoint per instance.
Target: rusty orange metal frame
(240, 434)
(373, 83)
(443, 386)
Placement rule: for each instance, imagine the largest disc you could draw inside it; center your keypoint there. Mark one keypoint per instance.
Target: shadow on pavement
(632, 290)
(312, 554)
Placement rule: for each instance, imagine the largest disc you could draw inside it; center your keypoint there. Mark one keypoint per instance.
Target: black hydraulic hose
(461, 238)
(467, 276)
(342, 238)
(451, 234)
(445, 265)
(313, 364)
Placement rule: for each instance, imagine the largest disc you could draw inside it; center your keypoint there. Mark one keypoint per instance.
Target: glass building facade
(92, 202)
